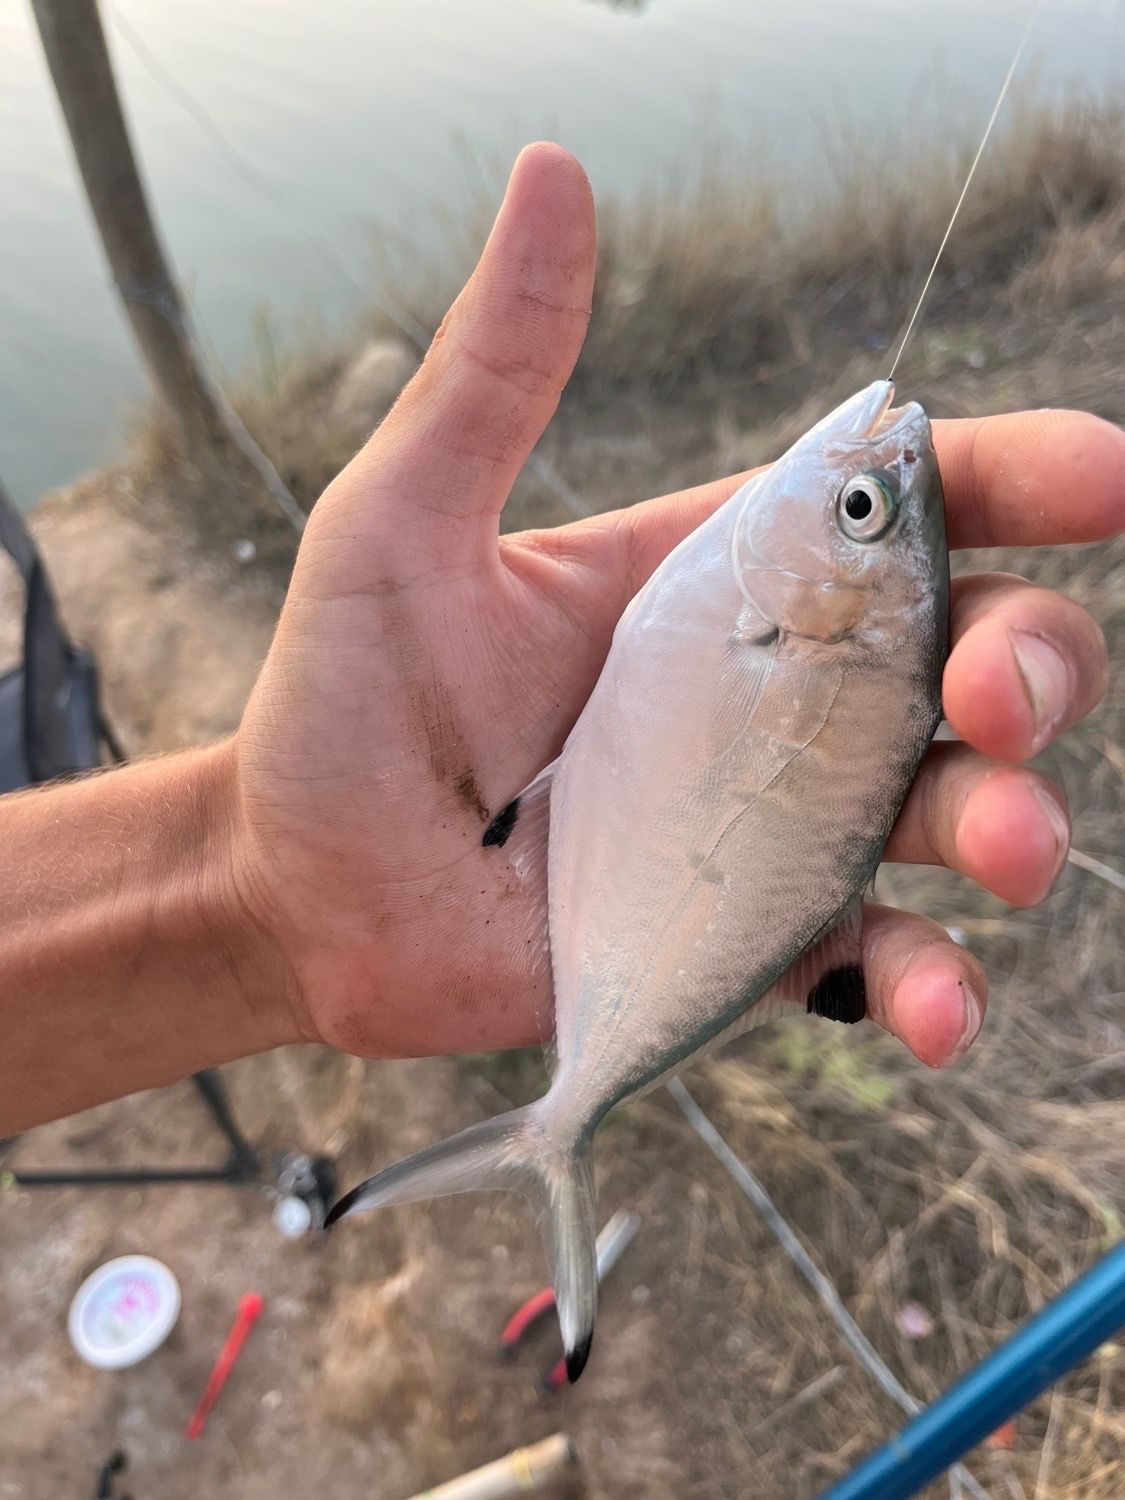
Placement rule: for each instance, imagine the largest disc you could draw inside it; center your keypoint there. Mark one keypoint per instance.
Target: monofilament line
(996, 108)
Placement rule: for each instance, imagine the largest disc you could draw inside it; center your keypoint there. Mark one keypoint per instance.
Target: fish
(718, 810)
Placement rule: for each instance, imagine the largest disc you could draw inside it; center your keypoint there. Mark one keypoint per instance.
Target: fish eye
(865, 508)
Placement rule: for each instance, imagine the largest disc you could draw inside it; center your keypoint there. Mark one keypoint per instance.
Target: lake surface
(278, 135)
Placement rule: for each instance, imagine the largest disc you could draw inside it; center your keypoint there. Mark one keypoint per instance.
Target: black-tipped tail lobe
(576, 1358)
(511, 1151)
(342, 1207)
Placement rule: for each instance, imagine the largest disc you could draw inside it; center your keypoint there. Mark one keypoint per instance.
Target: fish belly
(707, 826)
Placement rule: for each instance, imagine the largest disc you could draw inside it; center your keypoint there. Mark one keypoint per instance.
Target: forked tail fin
(511, 1151)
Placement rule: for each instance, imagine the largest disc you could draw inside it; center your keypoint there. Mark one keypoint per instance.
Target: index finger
(1031, 478)
(1025, 479)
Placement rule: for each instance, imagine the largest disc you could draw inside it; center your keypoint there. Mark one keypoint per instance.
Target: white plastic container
(123, 1311)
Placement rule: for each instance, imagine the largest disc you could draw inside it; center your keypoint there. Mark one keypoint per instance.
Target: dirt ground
(974, 1194)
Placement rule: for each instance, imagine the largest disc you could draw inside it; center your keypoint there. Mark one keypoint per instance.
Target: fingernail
(970, 1030)
(1046, 682)
(1057, 822)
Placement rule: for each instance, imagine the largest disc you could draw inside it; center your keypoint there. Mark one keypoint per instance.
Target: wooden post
(524, 1469)
(75, 47)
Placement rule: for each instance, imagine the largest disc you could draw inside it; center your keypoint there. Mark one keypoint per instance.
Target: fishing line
(996, 108)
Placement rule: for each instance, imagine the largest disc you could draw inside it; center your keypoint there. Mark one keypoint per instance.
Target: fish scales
(722, 802)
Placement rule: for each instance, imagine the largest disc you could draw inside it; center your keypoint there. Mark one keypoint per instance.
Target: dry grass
(723, 319)
(720, 328)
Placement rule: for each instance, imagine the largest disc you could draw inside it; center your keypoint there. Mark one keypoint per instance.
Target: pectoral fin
(521, 827)
(517, 837)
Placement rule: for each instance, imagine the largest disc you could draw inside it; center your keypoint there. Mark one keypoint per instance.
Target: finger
(1031, 477)
(1025, 664)
(1028, 478)
(449, 451)
(922, 987)
(1005, 827)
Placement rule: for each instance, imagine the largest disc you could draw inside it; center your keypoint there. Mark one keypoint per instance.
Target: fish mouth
(875, 407)
(858, 417)
(872, 418)
(900, 423)
(902, 435)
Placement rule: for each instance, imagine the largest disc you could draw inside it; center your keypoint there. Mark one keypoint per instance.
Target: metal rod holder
(243, 1164)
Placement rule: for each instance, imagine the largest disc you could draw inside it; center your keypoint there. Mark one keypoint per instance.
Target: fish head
(846, 531)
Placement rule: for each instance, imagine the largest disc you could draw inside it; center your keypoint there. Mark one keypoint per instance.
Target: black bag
(51, 723)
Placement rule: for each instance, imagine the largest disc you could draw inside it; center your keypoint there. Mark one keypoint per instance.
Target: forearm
(126, 958)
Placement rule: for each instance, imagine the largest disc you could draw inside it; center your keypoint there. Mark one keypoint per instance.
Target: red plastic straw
(249, 1311)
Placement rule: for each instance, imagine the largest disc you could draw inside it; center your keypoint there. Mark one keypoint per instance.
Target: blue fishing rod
(1067, 1330)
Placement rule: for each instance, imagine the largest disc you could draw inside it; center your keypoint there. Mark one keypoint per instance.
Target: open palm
(426, 668)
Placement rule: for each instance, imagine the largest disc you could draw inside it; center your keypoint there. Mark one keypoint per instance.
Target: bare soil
(975, 1193)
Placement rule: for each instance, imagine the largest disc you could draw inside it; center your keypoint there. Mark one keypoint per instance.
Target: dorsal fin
(829, 976)
(840, 994)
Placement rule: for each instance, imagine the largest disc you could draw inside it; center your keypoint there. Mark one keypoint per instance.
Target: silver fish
(720, 806)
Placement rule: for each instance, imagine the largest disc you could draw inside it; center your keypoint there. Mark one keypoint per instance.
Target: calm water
(353, 114)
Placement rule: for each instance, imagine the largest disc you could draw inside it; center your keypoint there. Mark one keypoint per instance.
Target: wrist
(127, 959)
(235, 931)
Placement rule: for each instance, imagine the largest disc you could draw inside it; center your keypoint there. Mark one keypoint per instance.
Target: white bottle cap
(123, 1311)
(293, 1217)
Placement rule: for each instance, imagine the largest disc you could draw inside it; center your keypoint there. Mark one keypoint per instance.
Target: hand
(426, 668)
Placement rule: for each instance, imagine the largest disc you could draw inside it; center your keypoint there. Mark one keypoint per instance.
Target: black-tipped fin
(828, 978)
(526, 816)
(520, 830)
(493, 1154)
(576, 1358)
(496, 835)
(839, 995)
(511, 1151)
(341, 1207)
